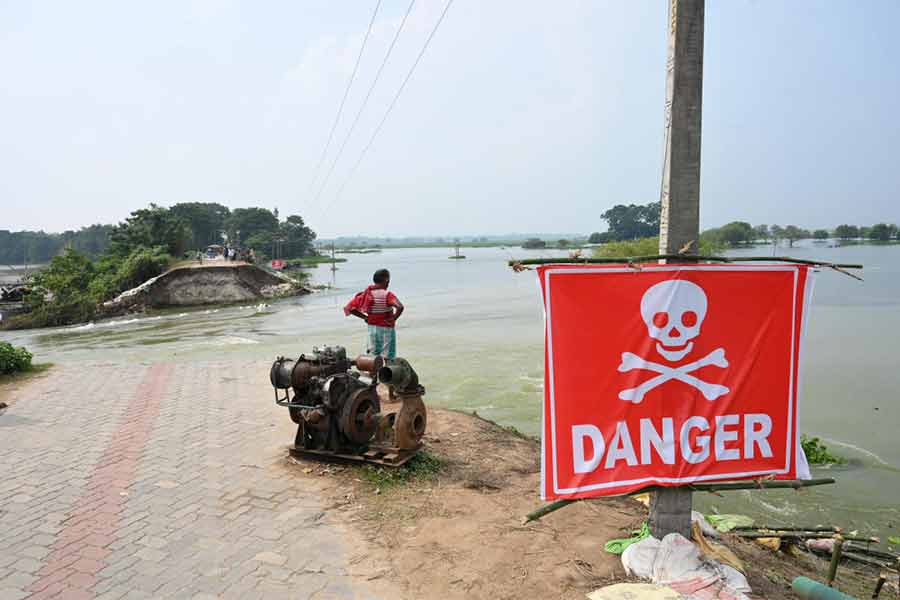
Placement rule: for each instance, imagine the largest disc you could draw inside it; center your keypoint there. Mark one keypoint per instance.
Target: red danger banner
(669, 375)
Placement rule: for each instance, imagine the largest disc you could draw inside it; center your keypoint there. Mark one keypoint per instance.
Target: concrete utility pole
(679, 220)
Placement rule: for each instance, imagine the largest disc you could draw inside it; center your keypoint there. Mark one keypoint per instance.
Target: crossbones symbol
(710, 391)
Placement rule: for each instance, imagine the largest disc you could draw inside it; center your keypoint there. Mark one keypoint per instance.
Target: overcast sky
(522, 116)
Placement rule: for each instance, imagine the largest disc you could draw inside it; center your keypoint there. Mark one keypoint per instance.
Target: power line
(365, 101)
(393, 102)
(337, 117)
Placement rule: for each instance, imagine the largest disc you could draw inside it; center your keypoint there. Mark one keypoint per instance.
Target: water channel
(473, 330)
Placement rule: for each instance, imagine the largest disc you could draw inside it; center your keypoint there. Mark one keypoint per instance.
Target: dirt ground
(460, 533)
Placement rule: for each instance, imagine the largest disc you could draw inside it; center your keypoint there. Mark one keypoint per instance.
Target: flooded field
(473, 330)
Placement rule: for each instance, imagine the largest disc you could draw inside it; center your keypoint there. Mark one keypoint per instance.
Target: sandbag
(677, 563)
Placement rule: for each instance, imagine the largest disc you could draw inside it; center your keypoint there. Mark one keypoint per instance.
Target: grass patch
(32, 371)
(310, 261)
(819, 454)
(424, 466)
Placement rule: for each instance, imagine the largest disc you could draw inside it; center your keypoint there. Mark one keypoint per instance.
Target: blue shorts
(382, 341)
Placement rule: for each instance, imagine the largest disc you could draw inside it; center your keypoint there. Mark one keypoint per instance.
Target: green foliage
(846, 232)
(893, 540)
(63, 280)
(792, 233)
(648, 247)
(311, 261)
(244, 223)
(71, 287)
(821, 234)
(34, 247)
(423, 466)
(817, 453)
(206, 221)
(115, 275)
(563, 243)
(882, 232)
(761, 232)
(596, 238)
(14, 360)
(633, 221)
(533, 243)
(732, 234)
(148, 228)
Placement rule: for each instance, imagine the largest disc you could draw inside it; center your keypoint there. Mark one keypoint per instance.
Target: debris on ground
(726, 523)
(677, 562)
(618, 546)
(634, 591)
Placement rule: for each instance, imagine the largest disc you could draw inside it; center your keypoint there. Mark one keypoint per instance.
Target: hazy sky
(522, 116)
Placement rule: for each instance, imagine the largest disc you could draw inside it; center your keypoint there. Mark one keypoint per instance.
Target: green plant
(817, 453)
(14, 359)
(423, 466)
(650, 247)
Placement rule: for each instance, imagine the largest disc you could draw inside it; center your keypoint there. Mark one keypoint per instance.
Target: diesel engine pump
(368, 409)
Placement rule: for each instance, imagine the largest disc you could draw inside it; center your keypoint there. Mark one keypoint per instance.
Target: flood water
(473, 330)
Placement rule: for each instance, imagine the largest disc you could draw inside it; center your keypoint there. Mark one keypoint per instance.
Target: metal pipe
(808, 589)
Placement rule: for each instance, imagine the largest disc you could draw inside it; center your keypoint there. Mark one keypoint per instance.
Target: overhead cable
(393, 102)
(337, 117)
(365, 101)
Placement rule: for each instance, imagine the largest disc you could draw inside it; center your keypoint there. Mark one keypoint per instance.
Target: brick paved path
(147, 481)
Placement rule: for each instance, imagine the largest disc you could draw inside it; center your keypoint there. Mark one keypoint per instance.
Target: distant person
(380, 309)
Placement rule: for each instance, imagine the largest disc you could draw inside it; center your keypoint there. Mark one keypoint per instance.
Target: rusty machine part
(338, 409)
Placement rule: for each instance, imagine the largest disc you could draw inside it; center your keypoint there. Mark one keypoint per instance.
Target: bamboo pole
(835, 559)
(811, 535)
(831, 529)
(696, 487)
(681, 258)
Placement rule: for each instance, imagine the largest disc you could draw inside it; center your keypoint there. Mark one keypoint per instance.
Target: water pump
(368, 409)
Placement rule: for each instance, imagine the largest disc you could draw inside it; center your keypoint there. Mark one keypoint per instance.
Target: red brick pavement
(163, 481)
(77, 556)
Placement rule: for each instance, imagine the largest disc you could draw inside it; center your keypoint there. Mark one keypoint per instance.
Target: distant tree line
(177, 229)
(634, 222)
(18, 247)
(737, 233)
(144, 245)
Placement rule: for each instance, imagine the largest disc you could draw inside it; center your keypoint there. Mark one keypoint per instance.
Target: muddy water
(473, 330)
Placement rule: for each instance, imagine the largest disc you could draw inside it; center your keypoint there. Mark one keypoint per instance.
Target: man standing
(380, 309)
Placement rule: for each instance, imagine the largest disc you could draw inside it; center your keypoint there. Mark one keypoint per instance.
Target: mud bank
(199, 285)
(459, 532)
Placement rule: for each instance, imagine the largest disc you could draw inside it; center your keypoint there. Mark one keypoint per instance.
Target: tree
(776, 232)
(761, 232)
(792, 233)
(633, 221)
(534, 243)
(563, 243)
(734, 233)
(297, 237)
(250, 221)
(205, 219)
(148, 228)
(820, 234)
(846, 232)
(882, 232)
(595, 238)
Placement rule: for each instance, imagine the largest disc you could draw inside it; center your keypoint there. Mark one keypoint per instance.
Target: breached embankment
(199, 285)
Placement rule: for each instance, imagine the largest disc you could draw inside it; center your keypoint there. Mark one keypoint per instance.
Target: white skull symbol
(673, 312)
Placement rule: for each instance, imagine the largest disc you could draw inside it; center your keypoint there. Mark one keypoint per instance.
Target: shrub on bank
(71, 287)
(648, 247)
(13, 360)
